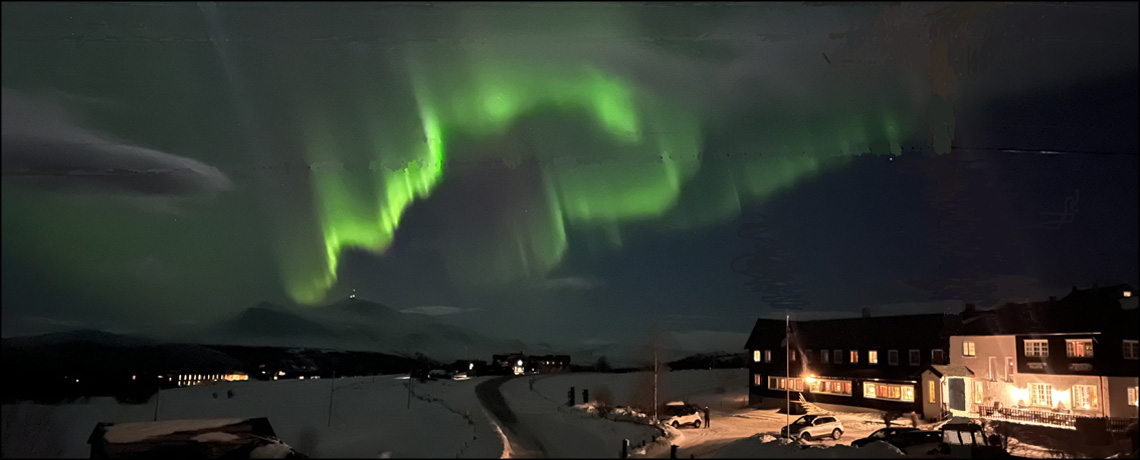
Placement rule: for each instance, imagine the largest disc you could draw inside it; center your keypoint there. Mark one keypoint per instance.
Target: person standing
(707, 420)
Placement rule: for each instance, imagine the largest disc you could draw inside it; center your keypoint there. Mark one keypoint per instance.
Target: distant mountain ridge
(355, 324)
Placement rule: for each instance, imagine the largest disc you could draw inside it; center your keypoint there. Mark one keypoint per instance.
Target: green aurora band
(647, 152)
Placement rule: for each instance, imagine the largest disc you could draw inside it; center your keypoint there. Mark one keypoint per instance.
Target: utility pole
(332, 387)
(788, 373)
(655, 419)
(411, 380)
(157, 396)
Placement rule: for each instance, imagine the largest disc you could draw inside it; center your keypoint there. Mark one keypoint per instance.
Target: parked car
(679, 413)
(912, 439)
(811, 427)
(881, 435)
(966, 438)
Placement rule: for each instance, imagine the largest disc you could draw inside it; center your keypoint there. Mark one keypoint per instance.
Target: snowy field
(370, 418)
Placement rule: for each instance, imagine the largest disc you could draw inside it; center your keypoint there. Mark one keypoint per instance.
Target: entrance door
(957, 394)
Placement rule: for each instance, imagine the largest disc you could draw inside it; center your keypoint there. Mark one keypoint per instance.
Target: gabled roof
(943, 370)
(1092, 310)
(902, 332)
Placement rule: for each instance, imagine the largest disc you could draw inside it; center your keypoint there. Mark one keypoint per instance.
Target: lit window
(1037, 348)
(1079, 348)
(1132, 393)
(968, 349)
(1009, 369)
(832, 387)
(1041, 394)
(1131, 349)
(783, 383)
(893, 357)
(767, 356)
(977, 392)
(1084, 397)
(932, 389)
(757, 379)
(756, 356)
(888, 391)
(854, 356)
(872, 356)
(793, 354)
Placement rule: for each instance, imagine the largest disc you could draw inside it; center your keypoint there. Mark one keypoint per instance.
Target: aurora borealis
(516, 158)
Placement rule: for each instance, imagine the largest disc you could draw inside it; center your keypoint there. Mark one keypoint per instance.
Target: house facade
(1077, 356)
(868, 363)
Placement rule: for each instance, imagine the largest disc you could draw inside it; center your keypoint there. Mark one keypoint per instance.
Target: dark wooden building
(870, 362)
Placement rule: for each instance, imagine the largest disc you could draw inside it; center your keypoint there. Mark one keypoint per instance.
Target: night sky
(562, 171)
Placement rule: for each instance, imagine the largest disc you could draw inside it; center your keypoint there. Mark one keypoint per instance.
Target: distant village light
(1127, 293)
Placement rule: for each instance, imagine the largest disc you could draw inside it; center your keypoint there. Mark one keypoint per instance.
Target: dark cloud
(44, 146)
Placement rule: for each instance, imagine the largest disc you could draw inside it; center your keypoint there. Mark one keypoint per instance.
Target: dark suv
(903, 438)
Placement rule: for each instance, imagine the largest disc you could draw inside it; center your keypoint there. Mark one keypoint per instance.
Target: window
(936, 356)
(993, 367)
(977, 392)
(968, 348)
(888, 391)
(832, 387)
(757, 379)
(1009, 369)
(824, 355)
(1132, 392)
(1037, 348)
(1079, 348)
(873, 357)
(933, 390)
(756, 356)
(807, 356)
(792, 353)
(784, 383)
(893, 357)
(915, 357)
(1084, 397)
(1131, 349)
(838, 356)
(854, 356)
(1041, 394)
(767, 356)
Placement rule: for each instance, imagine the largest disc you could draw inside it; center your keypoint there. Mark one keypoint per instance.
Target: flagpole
(788, 374)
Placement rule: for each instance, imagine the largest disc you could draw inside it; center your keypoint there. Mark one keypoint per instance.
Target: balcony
(1047, 418)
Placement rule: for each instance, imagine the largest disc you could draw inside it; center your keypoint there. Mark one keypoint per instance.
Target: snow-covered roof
(138, 431)
(943, 370)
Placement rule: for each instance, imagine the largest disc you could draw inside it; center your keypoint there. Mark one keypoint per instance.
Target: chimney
(866, 312)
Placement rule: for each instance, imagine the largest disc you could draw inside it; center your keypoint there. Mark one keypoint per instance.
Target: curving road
(522, 444)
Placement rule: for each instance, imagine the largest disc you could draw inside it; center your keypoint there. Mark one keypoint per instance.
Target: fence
(1044, 417)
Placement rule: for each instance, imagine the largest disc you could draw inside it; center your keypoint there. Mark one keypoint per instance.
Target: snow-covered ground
(370, 417)
(563, 432)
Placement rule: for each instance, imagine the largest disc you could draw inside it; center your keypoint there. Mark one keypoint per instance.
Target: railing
(1045, 417)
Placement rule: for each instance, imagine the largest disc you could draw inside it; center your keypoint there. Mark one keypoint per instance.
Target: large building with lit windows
(867, 363)
(1061, 358)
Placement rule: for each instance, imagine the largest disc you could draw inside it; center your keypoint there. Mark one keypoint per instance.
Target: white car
(678, 414)
(811, 427)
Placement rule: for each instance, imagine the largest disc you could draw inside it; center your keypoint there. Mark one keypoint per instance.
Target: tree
(603, 364)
